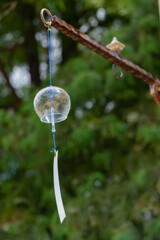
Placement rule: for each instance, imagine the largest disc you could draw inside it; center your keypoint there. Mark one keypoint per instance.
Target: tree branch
(112, 56)
(5, 75)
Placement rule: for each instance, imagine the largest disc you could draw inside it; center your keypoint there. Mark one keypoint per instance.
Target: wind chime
(52, 104)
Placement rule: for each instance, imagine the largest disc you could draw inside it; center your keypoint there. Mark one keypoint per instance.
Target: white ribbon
(57, 190)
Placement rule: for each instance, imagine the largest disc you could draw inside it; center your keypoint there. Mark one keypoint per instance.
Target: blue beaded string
(52, 109)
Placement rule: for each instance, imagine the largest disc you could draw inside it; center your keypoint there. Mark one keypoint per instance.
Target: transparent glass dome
(61, 104)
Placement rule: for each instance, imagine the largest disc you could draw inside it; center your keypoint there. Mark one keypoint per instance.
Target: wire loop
(114, 71)
(46, 24)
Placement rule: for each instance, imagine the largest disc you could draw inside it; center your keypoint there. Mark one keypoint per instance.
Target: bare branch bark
(112, 56)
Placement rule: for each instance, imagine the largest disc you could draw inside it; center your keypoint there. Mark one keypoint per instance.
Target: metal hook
(114, 71)
(46, 24)
(116, 47)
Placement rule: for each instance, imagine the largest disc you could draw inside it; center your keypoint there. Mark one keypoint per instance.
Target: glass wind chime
(52, 104)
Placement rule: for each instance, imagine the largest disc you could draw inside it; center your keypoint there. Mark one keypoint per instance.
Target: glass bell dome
(61, 104)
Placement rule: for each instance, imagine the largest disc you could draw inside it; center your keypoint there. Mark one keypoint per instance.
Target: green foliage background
(109, 145)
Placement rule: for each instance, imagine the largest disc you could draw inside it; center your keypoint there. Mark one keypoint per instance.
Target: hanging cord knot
(47, 25)
(53, 151)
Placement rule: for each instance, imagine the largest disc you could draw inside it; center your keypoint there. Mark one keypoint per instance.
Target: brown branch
(112, 56)
(5, 75)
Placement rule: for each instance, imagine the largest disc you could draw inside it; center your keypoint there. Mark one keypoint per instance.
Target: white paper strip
(57, 190)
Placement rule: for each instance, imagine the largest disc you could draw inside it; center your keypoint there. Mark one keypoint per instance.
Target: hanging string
(50, 74)
(57, 190)
(49, 52)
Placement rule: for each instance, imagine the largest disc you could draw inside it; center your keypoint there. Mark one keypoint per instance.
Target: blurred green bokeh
(108, 147)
